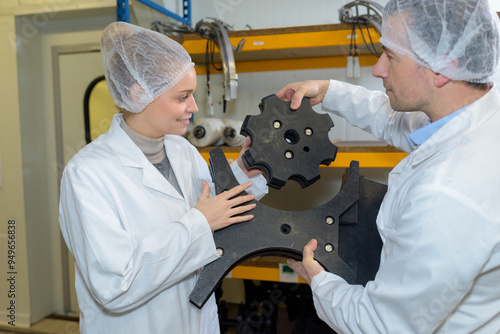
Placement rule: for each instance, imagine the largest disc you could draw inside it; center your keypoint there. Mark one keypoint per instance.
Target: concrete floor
(45, 326)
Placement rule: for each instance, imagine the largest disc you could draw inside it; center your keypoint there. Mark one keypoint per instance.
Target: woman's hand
(224, 209)
(248, 172)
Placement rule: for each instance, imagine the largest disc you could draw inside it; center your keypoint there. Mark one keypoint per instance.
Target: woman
(135, 209)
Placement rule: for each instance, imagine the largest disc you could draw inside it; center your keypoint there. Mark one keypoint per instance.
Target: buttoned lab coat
(439, 222)
(138, 244)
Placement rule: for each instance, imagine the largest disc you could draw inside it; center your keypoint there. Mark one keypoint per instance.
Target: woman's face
(170, 112)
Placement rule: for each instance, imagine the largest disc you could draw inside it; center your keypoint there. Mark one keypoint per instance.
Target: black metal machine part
(288, 144)
(348, 241)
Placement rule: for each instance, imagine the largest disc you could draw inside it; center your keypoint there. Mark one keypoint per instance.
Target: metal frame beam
(123, 10)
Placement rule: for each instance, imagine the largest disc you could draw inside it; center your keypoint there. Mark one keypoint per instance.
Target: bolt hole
(220, 251)
(285, 228)
(329, 220)
(277, 124)
(289, 154)
(329, 248)
(308, 131)
(292, 137)
(306, 149)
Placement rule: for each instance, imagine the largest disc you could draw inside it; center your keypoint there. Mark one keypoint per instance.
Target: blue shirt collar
(418, 137)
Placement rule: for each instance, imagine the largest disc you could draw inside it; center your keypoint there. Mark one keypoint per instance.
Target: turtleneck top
(154, 150)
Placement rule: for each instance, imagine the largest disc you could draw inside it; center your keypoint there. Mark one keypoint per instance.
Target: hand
(222, 210)
(248, 172)
(314, 89)
(309, 267)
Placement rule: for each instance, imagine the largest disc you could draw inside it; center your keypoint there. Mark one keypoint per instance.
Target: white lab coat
(439, 222)
(138, 245)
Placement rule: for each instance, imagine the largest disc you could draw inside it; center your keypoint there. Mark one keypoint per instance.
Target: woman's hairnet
(457, 38)
(140, 64)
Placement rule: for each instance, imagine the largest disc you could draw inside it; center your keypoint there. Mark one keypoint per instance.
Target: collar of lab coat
(476, 114)
(130, 155)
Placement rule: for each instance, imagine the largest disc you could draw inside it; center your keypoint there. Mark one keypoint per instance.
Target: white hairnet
(457, 38)
(140, 64)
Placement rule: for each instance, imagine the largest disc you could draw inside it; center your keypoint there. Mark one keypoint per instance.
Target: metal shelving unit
(369, 156)
(290, 48)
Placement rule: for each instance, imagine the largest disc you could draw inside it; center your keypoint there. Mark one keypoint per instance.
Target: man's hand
(224, 209)
(313, 89)
(309, 267)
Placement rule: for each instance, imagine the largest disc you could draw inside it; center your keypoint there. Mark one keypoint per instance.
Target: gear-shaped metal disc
(288, 144)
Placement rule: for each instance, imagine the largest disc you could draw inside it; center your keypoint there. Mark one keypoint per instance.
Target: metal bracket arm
(226, 52)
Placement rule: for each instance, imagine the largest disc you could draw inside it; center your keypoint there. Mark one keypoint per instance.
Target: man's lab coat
(439, 221)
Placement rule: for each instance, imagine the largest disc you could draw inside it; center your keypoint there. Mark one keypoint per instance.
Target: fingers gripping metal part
(288, 144)
(278, 232)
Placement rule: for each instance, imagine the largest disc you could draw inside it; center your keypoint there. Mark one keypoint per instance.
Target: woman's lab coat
(439, 221)
(138, 244)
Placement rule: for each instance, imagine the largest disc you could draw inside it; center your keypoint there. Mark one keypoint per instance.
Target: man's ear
(135, 92)
(440, 80)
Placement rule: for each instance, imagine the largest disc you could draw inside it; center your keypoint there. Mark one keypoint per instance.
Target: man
(440, 218)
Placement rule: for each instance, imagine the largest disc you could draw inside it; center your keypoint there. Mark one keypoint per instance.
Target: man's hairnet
(457, 38)
(140, 64)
